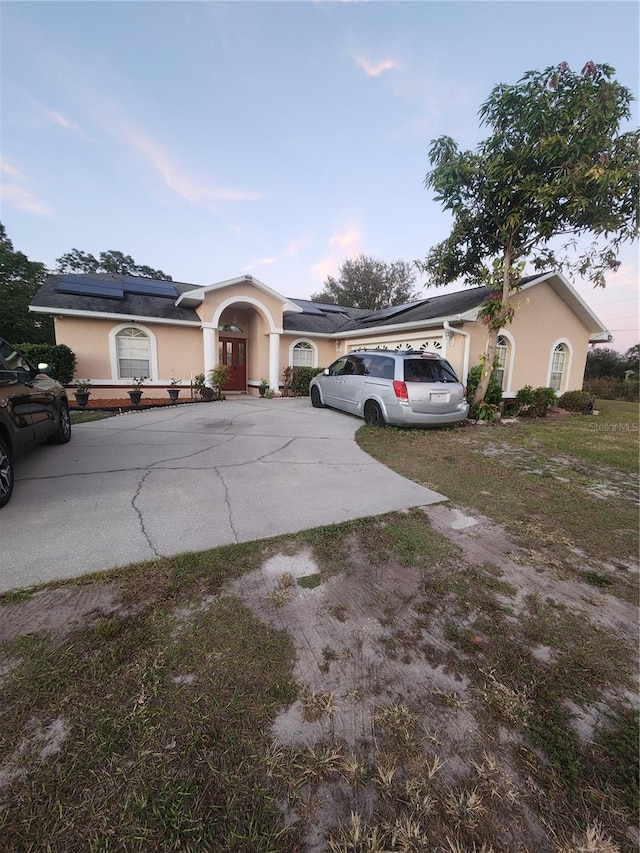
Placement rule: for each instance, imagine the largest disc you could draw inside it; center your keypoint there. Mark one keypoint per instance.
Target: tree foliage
(554, 170)
(115, 263)
(603, 362)
(61, 359)
(20, 280)
(365, 282)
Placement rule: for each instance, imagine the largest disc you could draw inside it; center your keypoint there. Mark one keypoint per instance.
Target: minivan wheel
(6, 473)
(316, 402)
(373, 414)
(63, 433)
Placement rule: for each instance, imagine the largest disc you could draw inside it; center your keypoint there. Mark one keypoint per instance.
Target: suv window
(428, 370)
(13, 360)
(380, 366)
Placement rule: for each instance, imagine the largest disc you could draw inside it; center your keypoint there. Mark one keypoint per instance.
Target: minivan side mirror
(43, 367)
(325, 372)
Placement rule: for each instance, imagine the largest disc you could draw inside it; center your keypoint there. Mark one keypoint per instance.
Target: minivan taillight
(464, 392)
(400, 389)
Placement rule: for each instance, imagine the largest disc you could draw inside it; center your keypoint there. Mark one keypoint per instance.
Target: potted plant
(218, 378)
(136, 390)
(199, 386)
(82, 392)
(173, 391)
(262, 387)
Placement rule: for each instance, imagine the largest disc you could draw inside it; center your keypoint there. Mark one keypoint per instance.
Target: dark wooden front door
(233, 353)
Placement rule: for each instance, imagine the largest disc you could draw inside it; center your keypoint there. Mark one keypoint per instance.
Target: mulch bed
(125, 404)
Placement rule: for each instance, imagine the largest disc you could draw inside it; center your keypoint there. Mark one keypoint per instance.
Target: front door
(233, 353)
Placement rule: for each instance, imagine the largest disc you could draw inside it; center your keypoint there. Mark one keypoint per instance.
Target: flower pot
(262, 389)
(82, 398)
(173, 394)
(135, 397)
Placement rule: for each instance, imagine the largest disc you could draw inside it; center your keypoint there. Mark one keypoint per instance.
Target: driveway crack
(227, 503)
(140, 515)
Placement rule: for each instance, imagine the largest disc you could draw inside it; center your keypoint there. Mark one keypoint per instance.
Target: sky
(214, 139)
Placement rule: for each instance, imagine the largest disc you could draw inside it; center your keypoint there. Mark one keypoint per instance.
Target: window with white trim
(557, 367)
(133, 353)
(303, 354)
(501, 361)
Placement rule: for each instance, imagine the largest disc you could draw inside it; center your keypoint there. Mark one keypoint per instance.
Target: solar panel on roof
(391, 311)
(149, 287)
(332, 309)
(91, 287)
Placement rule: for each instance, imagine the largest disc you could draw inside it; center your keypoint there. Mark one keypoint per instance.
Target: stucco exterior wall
(178, 352)
(324, 349)
(239, 297)
(542, 320)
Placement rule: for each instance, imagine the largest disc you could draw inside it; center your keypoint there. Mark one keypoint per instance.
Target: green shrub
(300, 379)
(533, 401)
(59, 356)
(577, 401)
(492, 398)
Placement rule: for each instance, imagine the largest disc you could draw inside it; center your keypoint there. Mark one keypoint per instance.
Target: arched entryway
(244, 337)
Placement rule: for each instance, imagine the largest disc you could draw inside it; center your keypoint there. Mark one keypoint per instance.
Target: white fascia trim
(331, 336)
(198, 295)
(437, 322)
(99, 315)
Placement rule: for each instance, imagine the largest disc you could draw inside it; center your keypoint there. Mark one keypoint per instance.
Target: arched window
(303, 354)
(557, 367)
(501, 361)
(133, 353)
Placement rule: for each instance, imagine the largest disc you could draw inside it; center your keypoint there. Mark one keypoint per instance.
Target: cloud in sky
(260, 262)
(61, 120)
(375, 69)
(343, 244)
(16, 192)
(197, 191)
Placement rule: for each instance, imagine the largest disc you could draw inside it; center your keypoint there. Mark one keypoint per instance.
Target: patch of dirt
(363, 644)
(57, 610)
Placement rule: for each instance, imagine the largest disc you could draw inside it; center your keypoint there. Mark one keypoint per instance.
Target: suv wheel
(6, 473)
(373, 414)
(63, 433)
(316, 401)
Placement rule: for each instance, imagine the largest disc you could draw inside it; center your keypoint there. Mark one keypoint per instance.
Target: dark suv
(33, 407)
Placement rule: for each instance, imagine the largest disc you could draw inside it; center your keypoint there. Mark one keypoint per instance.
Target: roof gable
(196, 295)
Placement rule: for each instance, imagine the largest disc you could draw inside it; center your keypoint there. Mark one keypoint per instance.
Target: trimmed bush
(577, 401)
(533, 402)
(300, 379)
(59, 356)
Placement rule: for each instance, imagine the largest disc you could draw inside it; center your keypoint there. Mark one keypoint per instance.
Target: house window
(557, 367)
(133, 352)
(500, 361)
(303, 354)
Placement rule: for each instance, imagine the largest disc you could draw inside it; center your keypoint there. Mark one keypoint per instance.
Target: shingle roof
(132, 304)
(316, 317)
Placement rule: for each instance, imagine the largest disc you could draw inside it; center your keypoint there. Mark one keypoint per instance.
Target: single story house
(122, 327)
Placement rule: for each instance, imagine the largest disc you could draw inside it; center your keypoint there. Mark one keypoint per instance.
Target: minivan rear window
(428, 370)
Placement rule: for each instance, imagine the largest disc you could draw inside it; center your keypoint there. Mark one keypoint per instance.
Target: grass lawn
(461, 678)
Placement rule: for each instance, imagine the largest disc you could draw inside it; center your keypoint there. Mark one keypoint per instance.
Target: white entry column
(210, 344)
(274, 361)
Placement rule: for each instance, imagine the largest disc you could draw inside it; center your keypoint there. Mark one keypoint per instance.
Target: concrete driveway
(188, 478)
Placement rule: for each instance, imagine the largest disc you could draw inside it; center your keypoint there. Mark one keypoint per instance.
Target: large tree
(366, 282)
(555, 169)
(20, 280)
(112, 262)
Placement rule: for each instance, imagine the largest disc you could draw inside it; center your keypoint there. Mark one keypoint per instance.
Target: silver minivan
(402, 388)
